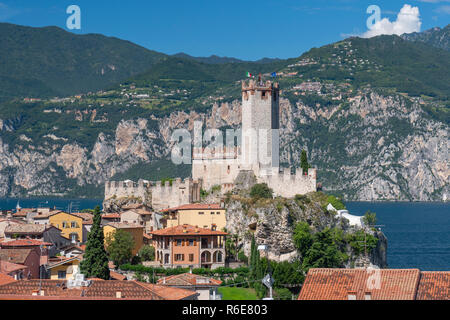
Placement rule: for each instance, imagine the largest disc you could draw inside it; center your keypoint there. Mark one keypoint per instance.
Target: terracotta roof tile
(124, 225)
(189, 279)
(117, 276)
(97, 290)
(15, 255)
(434, 285)
(26, 228)
(186, 229)
(7, 267)
(5, 279)
(337, 284)
(24, 243)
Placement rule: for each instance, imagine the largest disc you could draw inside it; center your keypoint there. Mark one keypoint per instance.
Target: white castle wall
(288, 185)
(154, 193)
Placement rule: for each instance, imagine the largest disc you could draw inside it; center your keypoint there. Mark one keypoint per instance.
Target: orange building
(189, 246)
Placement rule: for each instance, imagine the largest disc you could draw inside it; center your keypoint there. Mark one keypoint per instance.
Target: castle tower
(260, 126)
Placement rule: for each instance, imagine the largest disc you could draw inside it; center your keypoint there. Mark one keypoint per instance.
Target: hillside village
(209, 237)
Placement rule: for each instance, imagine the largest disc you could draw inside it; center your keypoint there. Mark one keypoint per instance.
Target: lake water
(418, 232)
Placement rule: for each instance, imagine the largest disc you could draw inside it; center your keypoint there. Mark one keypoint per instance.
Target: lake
(418, 232)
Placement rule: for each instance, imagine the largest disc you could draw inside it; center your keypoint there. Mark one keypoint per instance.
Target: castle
(258, 151)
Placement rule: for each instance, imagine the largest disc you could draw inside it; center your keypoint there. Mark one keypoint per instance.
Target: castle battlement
(155, 193)
(286, 184)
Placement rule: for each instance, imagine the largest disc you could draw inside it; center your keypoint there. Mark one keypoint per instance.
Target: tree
(323, 253)
(302, 237)
(119, 245)
(147, 253)
(370, 218)
(304, 162)
(261, 190)
(95, 259)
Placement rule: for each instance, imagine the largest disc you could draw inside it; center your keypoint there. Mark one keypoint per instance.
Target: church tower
(260, 126)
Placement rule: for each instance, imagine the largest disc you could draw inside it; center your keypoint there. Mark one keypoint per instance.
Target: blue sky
(244, 29)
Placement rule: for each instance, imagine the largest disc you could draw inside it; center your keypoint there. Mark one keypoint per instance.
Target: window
(212, 212)
(61, 274)
(191, 242)
(73, 224)
(351, 296)
(179, 257)
(179, 241)
(191, 257)
(64, 224)
(201, 212)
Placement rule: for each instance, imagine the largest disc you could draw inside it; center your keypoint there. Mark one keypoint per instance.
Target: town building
(45, 233)
(206, 287)
(63, 268)
(26, 257)
(5, 222)
(196, 214)
(90, 289)
(14, 270)
(73, 226)
(136, 231)
(375, 284)
(189, 246)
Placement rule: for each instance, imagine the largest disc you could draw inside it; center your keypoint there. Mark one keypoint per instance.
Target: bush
(370, 218)
(336, 202)
(261, 190)
(282, 294)
(242, 257)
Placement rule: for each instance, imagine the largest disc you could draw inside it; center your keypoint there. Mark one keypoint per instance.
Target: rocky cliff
(272, 222)
(370, 147)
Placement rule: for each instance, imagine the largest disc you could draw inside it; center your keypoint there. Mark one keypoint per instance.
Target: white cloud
(408, 20)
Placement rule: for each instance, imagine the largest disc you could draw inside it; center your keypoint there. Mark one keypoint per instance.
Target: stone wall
(287, 185)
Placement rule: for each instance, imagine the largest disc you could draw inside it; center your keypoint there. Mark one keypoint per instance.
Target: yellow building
(73, 226)
(196, 214)
(136, 231)
(64, 269)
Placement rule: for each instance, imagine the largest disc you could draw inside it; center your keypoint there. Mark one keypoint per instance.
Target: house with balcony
(204, 215)
(189, 246)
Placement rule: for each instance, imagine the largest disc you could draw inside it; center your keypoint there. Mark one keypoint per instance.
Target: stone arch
(218, 256)
(206, 256)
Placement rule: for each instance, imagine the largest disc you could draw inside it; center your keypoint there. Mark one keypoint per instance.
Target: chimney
(42, 293)
(118, 294)
(190, 270)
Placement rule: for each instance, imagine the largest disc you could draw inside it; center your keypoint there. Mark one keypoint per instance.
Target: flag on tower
(273, 74)
(249, 75)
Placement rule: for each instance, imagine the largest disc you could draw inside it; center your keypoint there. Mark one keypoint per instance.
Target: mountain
(435, 37)
(373, 115)
(42, 62)
(213, 59)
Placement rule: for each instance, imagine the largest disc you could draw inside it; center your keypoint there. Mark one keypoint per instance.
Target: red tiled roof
(98, 290)
(337, 284)
(189, 279)
(5, 279)
(24, 243)
(186, 229)
(195, 206)
(15, 255)
(124, 225)
(117, 276)
(434, 285)
(111, 215)
(7, 267)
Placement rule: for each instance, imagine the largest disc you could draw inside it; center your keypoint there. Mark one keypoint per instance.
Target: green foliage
(119, 245)
(304, 162)
(95, 259)
(302, 237)
(336, 202)
(242, 257)
(261, 190)
(361, 241)
(370, 218)
(147, 253)
(282, 294)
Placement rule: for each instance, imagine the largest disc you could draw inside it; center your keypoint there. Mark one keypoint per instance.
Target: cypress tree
(95, 259)
(304, 162)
